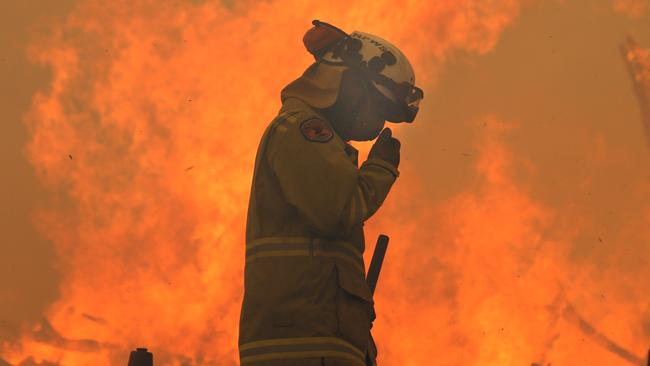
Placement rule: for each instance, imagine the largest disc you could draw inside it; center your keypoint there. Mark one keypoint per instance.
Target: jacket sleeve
(329, 192)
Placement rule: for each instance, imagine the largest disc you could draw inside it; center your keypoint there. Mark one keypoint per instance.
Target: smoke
(635, 9)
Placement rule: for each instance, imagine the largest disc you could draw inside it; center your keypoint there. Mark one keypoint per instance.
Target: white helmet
(378, 60)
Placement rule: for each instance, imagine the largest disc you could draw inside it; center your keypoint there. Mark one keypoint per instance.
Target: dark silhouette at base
(141, 357)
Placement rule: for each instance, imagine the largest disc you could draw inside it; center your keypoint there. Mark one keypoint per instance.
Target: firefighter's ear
(321, 36)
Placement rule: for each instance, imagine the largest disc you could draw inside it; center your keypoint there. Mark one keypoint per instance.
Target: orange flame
(634, 9)
(145, 139)
(485, 279)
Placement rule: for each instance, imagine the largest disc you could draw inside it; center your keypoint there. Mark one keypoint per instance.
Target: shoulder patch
(316, 130)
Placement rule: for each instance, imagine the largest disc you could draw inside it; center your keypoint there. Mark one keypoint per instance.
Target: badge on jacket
(316, 130)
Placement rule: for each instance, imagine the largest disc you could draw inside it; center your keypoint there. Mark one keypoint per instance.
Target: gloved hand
(386, 148)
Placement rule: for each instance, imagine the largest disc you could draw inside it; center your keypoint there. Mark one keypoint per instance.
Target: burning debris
(637, 61)
(44, 332)
(590, 330)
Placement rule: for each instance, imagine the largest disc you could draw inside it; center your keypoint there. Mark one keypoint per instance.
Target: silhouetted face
(358, 113)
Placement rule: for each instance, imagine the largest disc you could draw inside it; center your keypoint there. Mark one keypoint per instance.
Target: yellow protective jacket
(305, 294)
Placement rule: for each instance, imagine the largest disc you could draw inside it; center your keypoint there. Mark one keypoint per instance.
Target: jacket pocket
(355, 306)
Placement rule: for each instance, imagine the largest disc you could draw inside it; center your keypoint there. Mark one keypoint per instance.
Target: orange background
(519, 226)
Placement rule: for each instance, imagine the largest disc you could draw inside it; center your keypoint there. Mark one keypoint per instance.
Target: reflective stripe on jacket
(305, 293)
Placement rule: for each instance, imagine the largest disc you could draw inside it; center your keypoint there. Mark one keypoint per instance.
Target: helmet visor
(406, 107)
(406, 104)
(408, 101)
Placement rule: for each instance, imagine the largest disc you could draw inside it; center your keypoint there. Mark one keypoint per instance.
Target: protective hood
(318, 86)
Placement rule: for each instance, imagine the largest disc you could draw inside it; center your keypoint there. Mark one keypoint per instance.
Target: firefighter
(306, 301)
